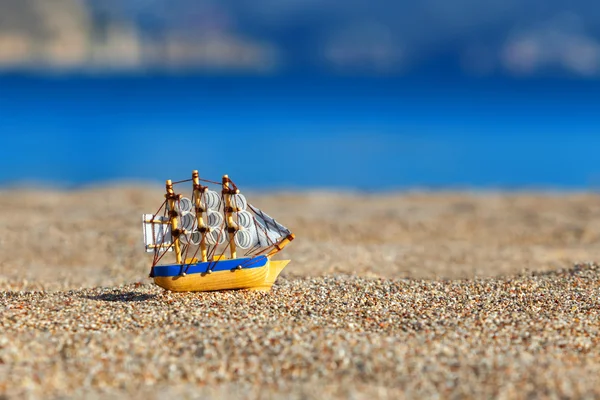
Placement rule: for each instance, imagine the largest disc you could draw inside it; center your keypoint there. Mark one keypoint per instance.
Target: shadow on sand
(124, 297)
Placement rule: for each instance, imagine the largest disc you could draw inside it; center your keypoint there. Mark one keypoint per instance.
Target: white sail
(187, 222)
(192, 238)
(214, 219)
(184, 205)
(267, 237)
(244, 219)
(263, 231)
(245, 239)
(157, 233)
(210, 200)
(216, 237)
(238, 202)
(273, 229)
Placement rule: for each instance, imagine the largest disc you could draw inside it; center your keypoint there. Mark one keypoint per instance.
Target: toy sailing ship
(201, 230)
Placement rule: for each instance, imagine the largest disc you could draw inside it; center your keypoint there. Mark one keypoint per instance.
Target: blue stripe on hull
(199, 268)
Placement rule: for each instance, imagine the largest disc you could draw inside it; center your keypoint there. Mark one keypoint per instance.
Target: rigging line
(182, 181)
(160, 245)
(208, 251)
(213, 250)
(257, 246)
(233, 184)
(159, 208)
(182, 231)
(189, 244)
(225, 223)
(213, 182)
(221, 205)
(153, 217)
(187, 249)
(191, 260)
(252, 261)
(157, 249)
(194, 256)
(197, 249)
(213, 263)
(264, 230)
(154, 240)
(222, 252)
(162, 242)
(155, 256)
(257, 251)
(196, 218)
(163, 254)
(265, 250)
(253, 248)
(200, 179)
(206, 232)
(274, 224)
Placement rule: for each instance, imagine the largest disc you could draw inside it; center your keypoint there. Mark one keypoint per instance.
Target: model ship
(220, 241)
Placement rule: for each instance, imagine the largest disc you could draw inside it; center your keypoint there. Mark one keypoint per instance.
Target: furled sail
(264, 231)
(244, 219)
(184, 205)
(238, 202)
(187, 222)
(210, 200)
(192, 238)
(216, 237)
(214, 219)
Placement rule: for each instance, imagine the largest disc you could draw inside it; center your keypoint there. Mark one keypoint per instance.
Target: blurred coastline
(100, 37)
(525, 38)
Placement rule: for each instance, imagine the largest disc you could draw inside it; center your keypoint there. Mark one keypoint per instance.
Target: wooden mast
(171, 198)
(231, 226)
(279, 246)
(198, 190)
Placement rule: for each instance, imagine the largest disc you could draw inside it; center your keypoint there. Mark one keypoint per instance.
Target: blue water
(299, 132)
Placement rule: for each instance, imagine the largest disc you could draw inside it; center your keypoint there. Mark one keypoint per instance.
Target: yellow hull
(261, 279)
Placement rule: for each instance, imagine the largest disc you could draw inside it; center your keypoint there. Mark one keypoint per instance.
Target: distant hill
(525, 37)
(75, 35)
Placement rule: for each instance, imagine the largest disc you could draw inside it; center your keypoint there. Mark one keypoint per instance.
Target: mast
(171, 198)
(231, 226)
(279, 246)
(198, 190)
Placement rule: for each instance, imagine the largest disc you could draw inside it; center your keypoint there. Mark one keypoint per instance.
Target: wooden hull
(261, 278)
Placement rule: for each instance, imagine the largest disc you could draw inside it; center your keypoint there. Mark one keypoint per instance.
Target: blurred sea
(295, 131)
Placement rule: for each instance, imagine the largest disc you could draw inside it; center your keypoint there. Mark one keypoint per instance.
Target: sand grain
(417, 295)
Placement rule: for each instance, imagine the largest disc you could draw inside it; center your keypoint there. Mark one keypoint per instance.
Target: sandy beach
(407, 295)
